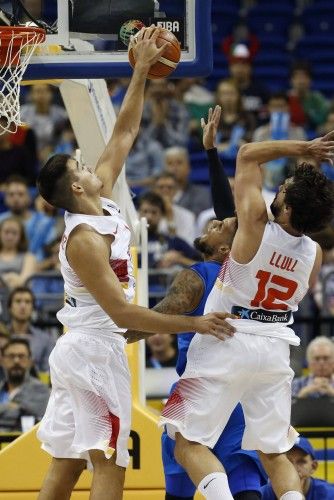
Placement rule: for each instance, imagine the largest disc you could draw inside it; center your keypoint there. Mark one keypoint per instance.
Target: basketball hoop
(17, 44)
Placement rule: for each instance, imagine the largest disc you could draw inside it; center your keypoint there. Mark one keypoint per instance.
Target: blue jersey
(228, 447)
(319, 490)
(208, 272)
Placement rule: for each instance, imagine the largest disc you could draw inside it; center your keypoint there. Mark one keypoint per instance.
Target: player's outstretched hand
(210, 128)
(322, 148)
(144, 46)
(215, 324)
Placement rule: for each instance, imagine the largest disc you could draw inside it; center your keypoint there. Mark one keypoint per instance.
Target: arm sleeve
(221, 191)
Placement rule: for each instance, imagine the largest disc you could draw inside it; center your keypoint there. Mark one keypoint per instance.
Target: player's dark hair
(54, 182)
(153, 199)
(311, 199)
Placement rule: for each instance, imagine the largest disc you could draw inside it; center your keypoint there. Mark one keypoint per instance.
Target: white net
(17, 45)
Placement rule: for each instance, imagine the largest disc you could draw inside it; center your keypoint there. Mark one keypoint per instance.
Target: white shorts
(90, 402)
(246, 368)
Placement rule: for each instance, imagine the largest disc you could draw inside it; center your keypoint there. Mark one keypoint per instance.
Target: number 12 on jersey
(267, 296)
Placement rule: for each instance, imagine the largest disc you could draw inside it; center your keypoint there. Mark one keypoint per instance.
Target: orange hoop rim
(20, 33)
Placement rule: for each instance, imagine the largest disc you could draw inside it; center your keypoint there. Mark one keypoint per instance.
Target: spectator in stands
(65, 141)
(324, 129)
(4, 337)
(279, 127)
(40, 228)
(117, 88)
(49, 289)
(308, 108)
(320, 381)
(197, 99)
(20, 308)
(328, 125)
(44, 117)
(178, 221)
(16, 264)
(194, 197)
(161, 352)
(20, 394)
(163, 251)
(165, 119)
(323, 291)
(144, 162)
(51, 261)
(254, 94)
(236, 125)
(302, 456)
(241, 35)
(15, 159)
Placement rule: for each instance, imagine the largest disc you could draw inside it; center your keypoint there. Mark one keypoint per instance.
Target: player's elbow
(244, 152)
(123, 315)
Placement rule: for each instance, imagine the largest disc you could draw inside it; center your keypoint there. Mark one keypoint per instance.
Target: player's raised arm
(248, 179)
(127, 124)
(250, 205)
(222, 196)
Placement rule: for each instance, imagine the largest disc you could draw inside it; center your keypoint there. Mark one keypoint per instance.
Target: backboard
(89, 39)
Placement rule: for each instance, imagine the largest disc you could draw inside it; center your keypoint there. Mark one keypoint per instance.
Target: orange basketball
(169, 59)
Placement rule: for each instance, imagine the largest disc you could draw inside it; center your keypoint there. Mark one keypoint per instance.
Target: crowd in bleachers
(272, 78)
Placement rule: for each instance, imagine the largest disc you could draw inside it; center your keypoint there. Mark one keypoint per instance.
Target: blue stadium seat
(266, 58)
(223, 24)
(318, 20)
(315, 49)
(275, 25)
(226, 9)
(326, 86)
(263, 4)
(280, 72)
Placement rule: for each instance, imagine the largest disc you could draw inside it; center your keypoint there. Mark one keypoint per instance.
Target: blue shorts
(243, 468)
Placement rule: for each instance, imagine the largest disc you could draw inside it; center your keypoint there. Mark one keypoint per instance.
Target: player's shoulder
(323, 487)
(84, 237)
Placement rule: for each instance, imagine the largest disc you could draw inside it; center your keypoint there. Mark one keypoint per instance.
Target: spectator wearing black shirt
(15, 159)
(161, 352)
(254, 93)
(163, 251)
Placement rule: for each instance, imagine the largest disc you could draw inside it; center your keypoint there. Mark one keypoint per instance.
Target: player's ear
(76, 188)
(314, 466)
(224, 250)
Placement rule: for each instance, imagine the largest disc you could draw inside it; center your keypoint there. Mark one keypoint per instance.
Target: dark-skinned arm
(222, 196)
(183, 297)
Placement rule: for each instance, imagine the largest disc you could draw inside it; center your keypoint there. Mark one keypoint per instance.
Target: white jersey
(265, 292)
(81, 311)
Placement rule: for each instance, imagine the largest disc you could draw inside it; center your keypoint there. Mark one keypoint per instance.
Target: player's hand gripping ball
(169, 59)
